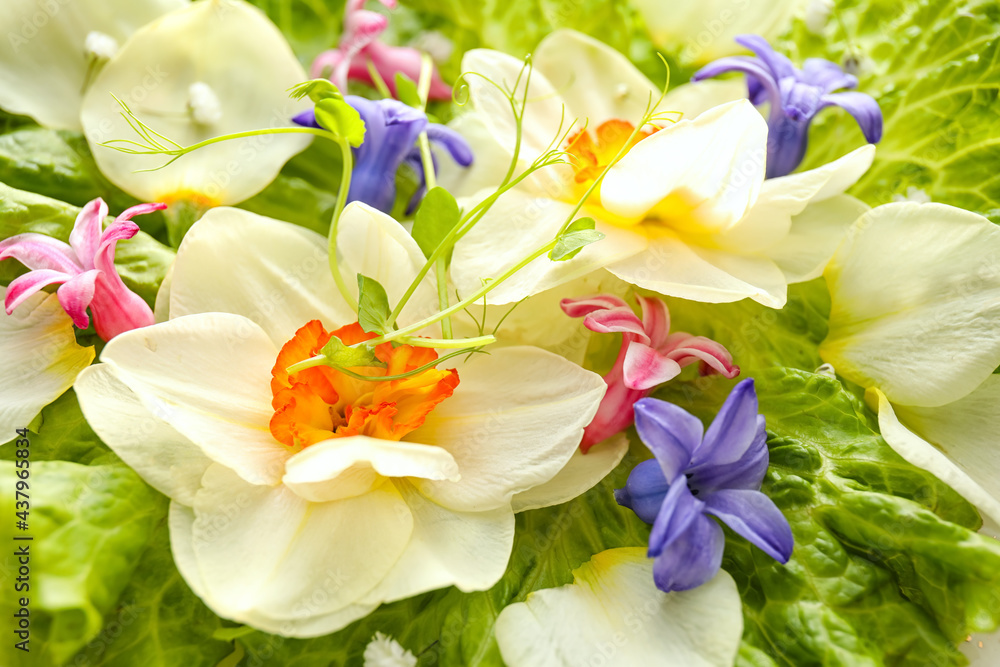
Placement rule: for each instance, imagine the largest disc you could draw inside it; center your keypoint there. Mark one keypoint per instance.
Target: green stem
(448, 343)
(345, 187)
(225, 137)
(377, 79)
(377, 378)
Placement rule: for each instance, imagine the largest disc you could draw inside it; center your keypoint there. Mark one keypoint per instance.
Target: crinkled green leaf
(90, 526)
(316, 90)
(438, 214)
(340, 355)
(932, 66)
(142, 261)
(64, 434)
(336, 115)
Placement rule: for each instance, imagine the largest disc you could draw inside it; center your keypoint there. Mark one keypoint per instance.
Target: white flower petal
(208, 376)
(168, 461)
(596, 82)
(693, 99)
(468, 550)
(713, 166)
(614, 610)
(383, 651)
(581, 473)
(41, 359)
(814, 236)
(43, 54)
(915, 296)
(153, 74)
(275, 273)
(951, 431)
(321, 471)
(161, 307)
(288, 569)
(514, 421)
(517, 224)
(490, 159)
(674, 268)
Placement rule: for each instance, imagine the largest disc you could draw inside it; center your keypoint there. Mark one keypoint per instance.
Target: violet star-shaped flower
(695, 477)
(85, 270)
(391, 131)
(649, 356)
(795, 97)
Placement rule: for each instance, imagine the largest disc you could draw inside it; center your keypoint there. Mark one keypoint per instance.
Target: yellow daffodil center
(592, 154)
(321, 403)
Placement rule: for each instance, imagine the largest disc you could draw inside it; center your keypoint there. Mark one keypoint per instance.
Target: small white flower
(385, 651)
(204, 103)
(100, 45)
(817, 14)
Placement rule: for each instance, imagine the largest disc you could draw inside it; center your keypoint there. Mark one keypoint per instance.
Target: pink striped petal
(86, 234)
(116, 309)
(139, 209)
(645, 367)
(713, 355)
(76, 294)
(655, 319)
(617, 320)
(24, 286)
(37, 251)
(587, 305)
(119, 230)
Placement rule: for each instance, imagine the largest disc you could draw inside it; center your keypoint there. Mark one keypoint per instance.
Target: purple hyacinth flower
(795, 97)
(694, 477)
(391, 131)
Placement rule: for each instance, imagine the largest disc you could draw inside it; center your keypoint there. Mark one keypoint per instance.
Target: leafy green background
(885, 570)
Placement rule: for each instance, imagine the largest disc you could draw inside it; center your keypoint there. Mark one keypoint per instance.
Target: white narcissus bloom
(52, 49)
(41, 359)
(333, 495)
(686, 212)
(613, 614)
(915, 319)
(213, 67)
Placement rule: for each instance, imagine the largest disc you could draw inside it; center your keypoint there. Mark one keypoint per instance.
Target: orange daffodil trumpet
(919, 328)
(685, 211)
(334, 493)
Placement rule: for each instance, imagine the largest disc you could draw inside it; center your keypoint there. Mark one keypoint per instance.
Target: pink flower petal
(86, 234)
(687, 349)
(139, 209)
(645, 367)
(37, 251)
(116, 309)
(24, 286)
(587, 305)
(76, 294)
(655, 319)
(617, 320)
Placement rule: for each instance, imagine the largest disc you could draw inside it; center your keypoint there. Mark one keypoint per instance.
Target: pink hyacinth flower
(359, 45)
(650, 355)
(85, 270)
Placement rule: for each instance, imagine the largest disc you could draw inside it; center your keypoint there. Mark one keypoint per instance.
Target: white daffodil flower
(53, 49)
(685, 212)
(332, 494)
(41, 359)
(613, 614)
(699, 32)
(211, 68)
(915, 318)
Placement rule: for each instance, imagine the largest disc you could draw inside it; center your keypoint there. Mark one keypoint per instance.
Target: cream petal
(613, 609)
(154, 73)
(468, 550)
(207, 376)
(275, 274)
(490, 162)
(43, 58)
(596, 82)
(714, 163)
(922, 322)
(298, 560)
(41, 359)
(581, 473)
(671, 267)
(924, 455)
(168, 461)
(517, 224)
(693, 99)
(321, 471)
(375, 245)
(161, 307)
(514, 421)
(814, 236)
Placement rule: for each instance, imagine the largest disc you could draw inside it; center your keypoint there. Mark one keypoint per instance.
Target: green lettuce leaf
(932, 68)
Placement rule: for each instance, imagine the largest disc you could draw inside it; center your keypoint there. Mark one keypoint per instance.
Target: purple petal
(786, 144)
(677, 511)
(671, 433)
(779, 65)
(733, 430)
(693, 559)
(827, 75)
(416, 163)
(24, 286)
(76, 294)
(756, 91)
(452, 141)
(644, 491)
(306, 119)
(86, 234)
(37, 251)
(766, 87)
(746, 473)
(863, 107)
(754, 516)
